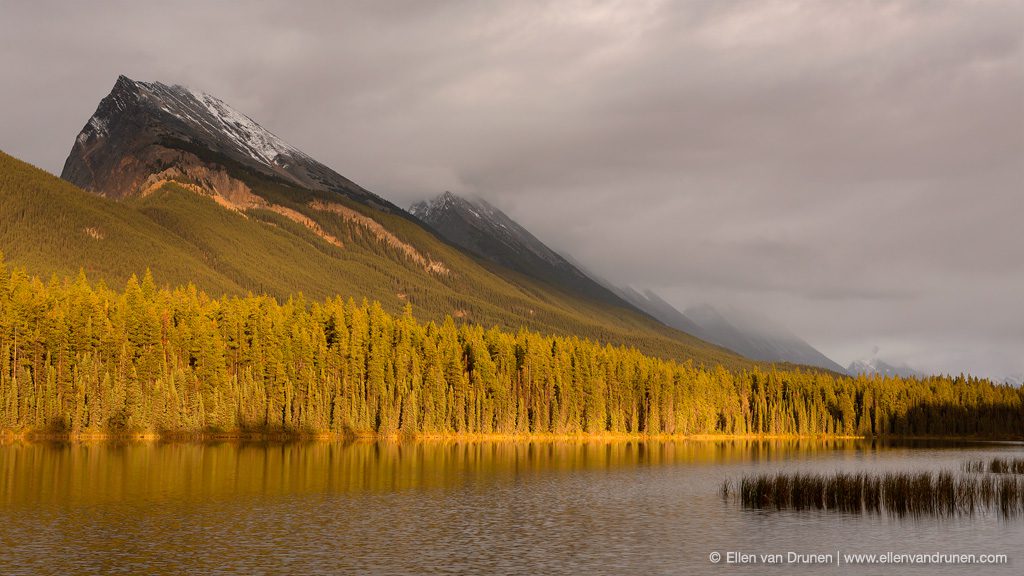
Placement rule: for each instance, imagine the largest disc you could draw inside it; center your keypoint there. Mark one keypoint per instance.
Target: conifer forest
(79, 357)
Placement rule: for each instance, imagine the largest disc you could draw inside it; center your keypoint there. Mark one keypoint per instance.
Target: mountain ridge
(254, 230)
(486, 231)
(475, 225)
(141, 121)
(756, 337)
(763, 340)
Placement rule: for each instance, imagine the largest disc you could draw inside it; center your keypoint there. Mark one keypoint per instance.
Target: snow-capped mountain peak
(138, 119)
(263, 146)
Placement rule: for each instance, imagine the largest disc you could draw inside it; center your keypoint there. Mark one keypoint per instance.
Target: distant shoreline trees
(79, 357)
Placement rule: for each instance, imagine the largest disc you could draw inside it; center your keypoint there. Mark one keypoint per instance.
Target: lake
(547, 507)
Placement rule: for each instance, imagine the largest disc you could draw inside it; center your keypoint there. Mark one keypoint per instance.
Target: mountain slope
(478, 227)
(191, 208)
(658, 308)
(52, 227)
(484, 230)
(756, 338)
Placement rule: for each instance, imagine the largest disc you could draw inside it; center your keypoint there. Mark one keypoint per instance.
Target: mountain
(755, 337)
(195, 197)
(478, 227)
(143, 133)
(659, 309)
(52, 227)
(486, 231)
(877, 366)
(743, 332)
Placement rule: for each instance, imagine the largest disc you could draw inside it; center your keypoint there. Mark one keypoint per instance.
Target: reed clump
(895, 493)
(995, 466)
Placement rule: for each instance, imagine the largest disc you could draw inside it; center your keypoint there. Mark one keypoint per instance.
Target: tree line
(50, 226)
(78, 356)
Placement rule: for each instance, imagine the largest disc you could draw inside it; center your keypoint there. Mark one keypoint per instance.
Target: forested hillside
(81, 357)
(289, 240)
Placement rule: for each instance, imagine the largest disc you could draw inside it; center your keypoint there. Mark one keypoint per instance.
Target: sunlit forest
(81, 357)
(51, 227)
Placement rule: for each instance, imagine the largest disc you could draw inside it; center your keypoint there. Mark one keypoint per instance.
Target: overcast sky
(853, 170)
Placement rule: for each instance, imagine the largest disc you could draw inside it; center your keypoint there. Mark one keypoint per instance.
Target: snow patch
(210, 115)
(260, 144)
(95, 128)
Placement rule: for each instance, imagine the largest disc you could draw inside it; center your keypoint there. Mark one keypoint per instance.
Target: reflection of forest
(93, 472)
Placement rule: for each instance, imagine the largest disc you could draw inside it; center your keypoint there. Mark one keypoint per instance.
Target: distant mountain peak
(212, 118)
(127, 139)
(452, 213)
(877, 366)
(431, 208)
(475, 225)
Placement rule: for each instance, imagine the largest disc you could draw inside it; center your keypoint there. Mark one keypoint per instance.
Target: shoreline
(284, 437)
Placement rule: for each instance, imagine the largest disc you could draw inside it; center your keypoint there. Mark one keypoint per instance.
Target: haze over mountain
(875, 365)
(482, 229)
(746, 333)
(755, 336)
(194, 190)
(657, 307)
(881, 367)
(479, 227)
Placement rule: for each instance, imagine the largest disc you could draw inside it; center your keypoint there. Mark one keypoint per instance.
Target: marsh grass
(898, 494)
(995, 466)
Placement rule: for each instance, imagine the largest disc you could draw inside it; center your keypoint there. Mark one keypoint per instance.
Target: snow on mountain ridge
(142, 120)
(483, 229)
(426, 209)
(200, 112)
(263, 144)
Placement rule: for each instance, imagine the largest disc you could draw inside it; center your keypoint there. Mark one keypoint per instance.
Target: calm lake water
(462, 508)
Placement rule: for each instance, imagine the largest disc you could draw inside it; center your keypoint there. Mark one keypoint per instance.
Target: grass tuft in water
(895, 493)
(995, 466)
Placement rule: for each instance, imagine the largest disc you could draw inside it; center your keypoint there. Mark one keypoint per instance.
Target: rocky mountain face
(478, 227)
(143, 133)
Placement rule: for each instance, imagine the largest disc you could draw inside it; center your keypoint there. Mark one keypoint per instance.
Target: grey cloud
(852, 169)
